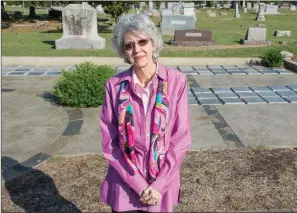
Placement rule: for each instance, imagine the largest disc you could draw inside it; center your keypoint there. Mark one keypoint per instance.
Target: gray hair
(139, 24)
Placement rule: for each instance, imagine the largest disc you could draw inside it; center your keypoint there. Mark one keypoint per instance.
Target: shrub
(84, 86)
(273, 58)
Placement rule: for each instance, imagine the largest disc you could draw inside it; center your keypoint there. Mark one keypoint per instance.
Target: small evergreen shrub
(84, 86)
(273, 58)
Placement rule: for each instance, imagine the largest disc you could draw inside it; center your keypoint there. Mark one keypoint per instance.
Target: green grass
(226, 31)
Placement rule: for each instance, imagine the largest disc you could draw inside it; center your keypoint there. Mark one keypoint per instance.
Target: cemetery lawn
(227, 31)
(226, 180)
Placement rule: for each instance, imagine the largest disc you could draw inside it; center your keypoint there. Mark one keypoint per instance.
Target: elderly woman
(144, 123)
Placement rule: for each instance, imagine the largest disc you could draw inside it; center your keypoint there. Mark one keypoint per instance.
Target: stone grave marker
(293, 7)
(189, 9)
(176, 9)
(249, 5)
(245, 10)
(260, 16)
(170, 5)
(236, 15)
(212, 15)
(223, 13)
(193, 37)
(279, 33)
(285, 5)
(80, 28)
(227, 6)
(271, 9)
(162, 6)
(255, 36)
(173, 22)
(256, 7)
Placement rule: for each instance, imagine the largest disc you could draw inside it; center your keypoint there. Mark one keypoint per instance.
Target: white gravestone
(255, 36)
(100, 9)
(245, 10)
(236, 15)
(271, 9)
(162, 5)
(212, 15)
(249, 5)
(189, 9)
(243, 4)
(293, 8)
(260, 16)
(256, 7)
(282, 33)
(150, 8)
(80, 28)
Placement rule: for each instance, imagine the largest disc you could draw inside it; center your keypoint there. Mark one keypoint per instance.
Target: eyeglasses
(131, 45)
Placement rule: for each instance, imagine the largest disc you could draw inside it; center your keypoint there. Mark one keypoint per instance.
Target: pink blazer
(120, 189)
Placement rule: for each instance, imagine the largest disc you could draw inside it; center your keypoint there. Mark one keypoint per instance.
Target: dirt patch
(226, 180)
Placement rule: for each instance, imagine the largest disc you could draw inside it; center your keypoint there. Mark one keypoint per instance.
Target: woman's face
(138, 49)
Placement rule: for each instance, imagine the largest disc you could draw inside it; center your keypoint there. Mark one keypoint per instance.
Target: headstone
(285, 5)
(243, 4)
(141, 5)
(193, 37)
(293, 8)
(170, 5)
(173, 22)
(189, 9)
(245, 10)
(249, 5)
(236, 15)
(260, 16)
(256, 7)
(162, 6)
(150, 8)
(227, 6)
(255, 36)
(223, 13)
(212, 15)
(100, 9)
(80, 29)
(271, 9)
(279, 33)
(167, 12)
(260, 25)
(218, 6)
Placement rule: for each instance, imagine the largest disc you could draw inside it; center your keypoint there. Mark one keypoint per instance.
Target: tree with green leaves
(115, 8)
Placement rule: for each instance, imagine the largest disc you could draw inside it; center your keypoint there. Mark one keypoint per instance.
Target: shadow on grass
(52, 43)
(53, 31)
(33, 190)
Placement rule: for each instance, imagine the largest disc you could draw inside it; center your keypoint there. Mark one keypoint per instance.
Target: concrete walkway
(34, 128)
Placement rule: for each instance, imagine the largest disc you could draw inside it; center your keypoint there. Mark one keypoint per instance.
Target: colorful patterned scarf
(126, 128)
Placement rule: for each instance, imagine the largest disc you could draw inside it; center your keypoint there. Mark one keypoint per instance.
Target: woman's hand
(150, 196)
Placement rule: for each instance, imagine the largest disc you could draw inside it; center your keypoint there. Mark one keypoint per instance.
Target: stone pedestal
(260, 16)
(80, 28)
(236, 15)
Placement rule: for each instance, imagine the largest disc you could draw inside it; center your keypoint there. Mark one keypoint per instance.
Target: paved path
(34, 128)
